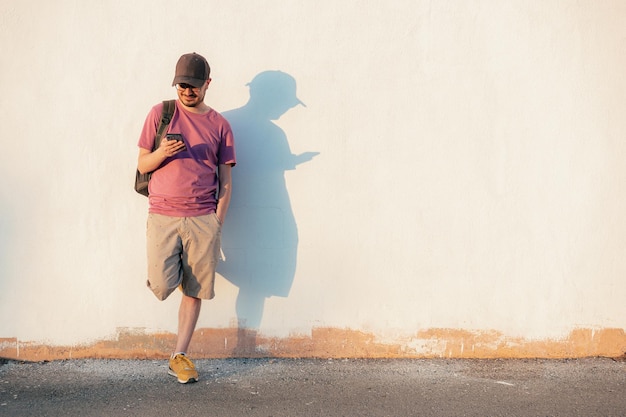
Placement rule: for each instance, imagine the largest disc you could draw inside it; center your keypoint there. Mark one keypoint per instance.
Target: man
(190, 192)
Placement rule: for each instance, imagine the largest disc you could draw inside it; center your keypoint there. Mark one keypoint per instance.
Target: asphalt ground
(317, 387)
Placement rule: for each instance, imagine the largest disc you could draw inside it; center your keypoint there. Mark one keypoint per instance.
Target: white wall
(470, 171)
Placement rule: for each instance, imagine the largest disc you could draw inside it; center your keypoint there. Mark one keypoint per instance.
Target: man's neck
(201, 108)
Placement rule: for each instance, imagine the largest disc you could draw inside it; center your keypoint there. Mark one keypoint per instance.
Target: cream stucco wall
(468, 171)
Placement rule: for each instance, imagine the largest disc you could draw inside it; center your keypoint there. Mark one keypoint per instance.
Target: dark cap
(192, 69)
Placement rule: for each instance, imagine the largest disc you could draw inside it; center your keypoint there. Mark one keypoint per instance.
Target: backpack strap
(166, 118)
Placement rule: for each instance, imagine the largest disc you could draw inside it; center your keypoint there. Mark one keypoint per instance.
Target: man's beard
(192, 100)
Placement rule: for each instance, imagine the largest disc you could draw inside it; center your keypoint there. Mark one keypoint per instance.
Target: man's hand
(170, 148)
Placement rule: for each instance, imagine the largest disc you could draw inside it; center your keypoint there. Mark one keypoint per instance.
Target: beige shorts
(183, 251)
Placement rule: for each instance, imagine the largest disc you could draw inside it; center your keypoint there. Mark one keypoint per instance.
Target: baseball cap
(192, 69)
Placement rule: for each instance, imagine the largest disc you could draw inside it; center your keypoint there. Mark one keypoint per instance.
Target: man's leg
(188, 314)
(180, 366)
(198, 262)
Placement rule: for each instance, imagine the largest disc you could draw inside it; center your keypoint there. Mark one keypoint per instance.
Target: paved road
(308, 387)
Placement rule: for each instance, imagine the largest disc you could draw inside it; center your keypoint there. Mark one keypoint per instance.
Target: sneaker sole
(170, 372)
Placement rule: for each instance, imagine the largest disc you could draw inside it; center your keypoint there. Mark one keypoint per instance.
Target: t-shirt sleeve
(146, 140)
(226, 154)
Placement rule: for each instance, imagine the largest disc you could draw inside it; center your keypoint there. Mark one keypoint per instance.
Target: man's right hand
(169, 148)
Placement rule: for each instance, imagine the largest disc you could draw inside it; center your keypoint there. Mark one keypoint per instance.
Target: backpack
(142, 180)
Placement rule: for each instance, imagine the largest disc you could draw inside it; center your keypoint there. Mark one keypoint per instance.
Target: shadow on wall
(5, 234)
(260, 236)
(12, 246)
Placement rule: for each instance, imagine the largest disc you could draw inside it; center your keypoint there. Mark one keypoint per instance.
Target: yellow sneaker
(182, 368)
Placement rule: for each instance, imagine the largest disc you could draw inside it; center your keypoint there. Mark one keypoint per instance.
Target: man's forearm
(225, 193)
(149, 161)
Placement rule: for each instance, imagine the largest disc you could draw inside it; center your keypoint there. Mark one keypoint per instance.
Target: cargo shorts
(183, 252)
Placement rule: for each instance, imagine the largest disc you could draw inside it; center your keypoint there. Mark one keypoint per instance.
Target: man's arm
(226, 189)
(148, 161)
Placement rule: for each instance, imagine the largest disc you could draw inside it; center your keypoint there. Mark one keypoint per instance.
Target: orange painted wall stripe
(330, 343)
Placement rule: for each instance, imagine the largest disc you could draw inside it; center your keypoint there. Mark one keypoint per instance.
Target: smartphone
(178, 137)
(174, 136)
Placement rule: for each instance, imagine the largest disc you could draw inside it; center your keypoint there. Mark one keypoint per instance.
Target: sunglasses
(184, 86)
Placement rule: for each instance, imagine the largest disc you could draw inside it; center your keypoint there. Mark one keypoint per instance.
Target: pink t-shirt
(186, 184)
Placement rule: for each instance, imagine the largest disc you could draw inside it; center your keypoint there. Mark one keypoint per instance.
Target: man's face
(191, 96)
